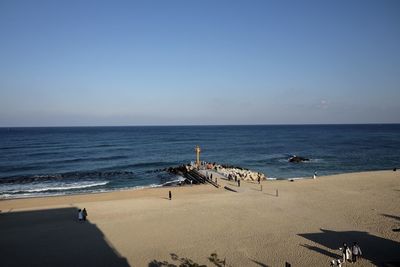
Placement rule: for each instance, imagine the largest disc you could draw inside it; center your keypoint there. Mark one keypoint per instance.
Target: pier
(194, 172)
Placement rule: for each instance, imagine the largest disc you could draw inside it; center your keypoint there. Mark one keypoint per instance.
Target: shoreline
(131, 192)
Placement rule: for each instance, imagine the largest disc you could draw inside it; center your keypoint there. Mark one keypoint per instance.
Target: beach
(304, 224)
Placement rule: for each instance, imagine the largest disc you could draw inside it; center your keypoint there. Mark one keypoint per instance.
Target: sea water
(57, 161)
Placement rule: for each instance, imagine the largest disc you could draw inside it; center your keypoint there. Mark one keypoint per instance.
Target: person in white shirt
(348, 254)
(356, 252)
(80, 215)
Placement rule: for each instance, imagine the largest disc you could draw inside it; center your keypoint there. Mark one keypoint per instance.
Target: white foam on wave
(44, 187)
(29, 195)
(67, 187)
(293, 178)
(316, 160)
(298, 178)
(59, 189)
(51, 191)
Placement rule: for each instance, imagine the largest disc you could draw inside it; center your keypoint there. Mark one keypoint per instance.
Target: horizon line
(201, 125)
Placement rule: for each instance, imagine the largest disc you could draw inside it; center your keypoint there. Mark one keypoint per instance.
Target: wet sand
(304, 225)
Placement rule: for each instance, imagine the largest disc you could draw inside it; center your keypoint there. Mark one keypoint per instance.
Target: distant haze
(75, 63)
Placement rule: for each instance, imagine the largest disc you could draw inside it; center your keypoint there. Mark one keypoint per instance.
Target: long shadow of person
(376, 249)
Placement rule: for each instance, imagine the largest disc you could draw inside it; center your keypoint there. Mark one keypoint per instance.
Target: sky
(108, 63)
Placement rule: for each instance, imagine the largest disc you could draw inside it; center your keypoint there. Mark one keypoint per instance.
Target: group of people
(351, 254)
(234, 177)
(82, 214)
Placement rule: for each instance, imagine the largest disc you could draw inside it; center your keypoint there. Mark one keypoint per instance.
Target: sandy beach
(304, 225)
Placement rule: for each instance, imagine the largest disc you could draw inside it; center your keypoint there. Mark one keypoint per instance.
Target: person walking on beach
(259, 180)
(315, 175)
(170, 195)
(356, 252)
(238, 182)
(84, 214)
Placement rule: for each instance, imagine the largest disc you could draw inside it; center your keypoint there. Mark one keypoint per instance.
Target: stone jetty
(235, 173)
(193, 176)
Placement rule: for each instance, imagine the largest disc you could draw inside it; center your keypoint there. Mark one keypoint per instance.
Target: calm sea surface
(53, 161)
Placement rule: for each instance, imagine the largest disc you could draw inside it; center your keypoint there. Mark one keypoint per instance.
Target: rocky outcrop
(297, 159)
(238, 173)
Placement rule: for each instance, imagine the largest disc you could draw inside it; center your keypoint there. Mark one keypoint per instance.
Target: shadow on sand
(377, 250)
(391, 216)
(271, 194)
(186, 262)
(54, 237)
(395, 218)
(259, 263)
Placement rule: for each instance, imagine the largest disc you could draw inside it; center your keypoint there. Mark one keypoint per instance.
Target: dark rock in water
(297, 159)
(177, 170)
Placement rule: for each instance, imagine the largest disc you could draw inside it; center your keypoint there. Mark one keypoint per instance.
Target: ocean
(69, 160)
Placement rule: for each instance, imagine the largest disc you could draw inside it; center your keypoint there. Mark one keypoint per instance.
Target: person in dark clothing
(344, 252)
(84, 213)
(238, 182)
(170, 195)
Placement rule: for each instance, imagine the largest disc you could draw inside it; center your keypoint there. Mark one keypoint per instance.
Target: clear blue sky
(72, 63)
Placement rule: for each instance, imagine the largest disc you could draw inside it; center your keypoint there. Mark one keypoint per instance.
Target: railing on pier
(202, 178)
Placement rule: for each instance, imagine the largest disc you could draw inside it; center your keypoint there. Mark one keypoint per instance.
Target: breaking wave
(72, 186)
(87, 175)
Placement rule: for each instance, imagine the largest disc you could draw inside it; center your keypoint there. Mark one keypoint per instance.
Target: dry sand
(305, 225)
